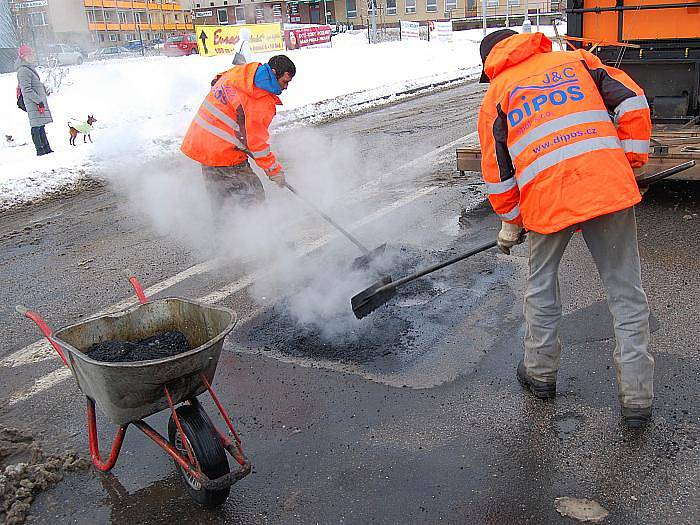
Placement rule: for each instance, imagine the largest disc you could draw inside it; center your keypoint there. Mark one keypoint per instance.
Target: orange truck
(657, 42)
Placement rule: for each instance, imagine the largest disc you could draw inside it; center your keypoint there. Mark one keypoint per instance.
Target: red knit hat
(25, 51)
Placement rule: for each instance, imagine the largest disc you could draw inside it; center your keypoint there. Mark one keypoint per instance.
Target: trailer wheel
(209, 454)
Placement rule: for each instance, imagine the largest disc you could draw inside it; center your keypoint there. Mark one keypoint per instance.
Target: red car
(180, 45)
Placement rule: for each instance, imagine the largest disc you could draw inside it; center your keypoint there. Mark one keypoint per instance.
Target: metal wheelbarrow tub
(128, 392)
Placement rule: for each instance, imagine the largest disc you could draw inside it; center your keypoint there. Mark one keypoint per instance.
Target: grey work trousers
(238, 183)
(612, 241)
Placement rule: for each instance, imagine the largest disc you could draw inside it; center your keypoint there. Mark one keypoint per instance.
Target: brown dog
(83, 127)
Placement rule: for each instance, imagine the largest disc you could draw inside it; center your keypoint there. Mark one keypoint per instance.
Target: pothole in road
(422, 314)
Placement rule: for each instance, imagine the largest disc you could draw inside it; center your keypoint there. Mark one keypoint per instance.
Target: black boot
(636, 417)
(38, 140)
(538, 388)
(45, 141)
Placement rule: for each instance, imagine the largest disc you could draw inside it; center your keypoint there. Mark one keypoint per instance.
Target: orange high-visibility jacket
(552, 154)
(232, 123)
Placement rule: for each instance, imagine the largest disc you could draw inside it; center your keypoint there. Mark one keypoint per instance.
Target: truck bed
(670, 145)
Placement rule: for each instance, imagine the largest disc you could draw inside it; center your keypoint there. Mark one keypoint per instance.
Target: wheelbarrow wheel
(209, 454)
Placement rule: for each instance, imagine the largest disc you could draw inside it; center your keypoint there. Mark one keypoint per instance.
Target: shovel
(367, 256)
(369, 299)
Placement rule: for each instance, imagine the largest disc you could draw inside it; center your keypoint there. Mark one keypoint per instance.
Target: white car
(63, 55)
(112, 52)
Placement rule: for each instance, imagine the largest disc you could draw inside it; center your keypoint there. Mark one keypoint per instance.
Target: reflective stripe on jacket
(552, 155)
(233, 123)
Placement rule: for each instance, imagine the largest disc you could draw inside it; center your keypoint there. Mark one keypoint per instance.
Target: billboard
(409, 30)
(319, 36)
(223, 40)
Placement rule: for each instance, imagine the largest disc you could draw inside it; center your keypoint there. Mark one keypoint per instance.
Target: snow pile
(144, 105)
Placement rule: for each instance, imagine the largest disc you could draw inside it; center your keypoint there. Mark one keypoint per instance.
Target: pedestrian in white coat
(244, 54)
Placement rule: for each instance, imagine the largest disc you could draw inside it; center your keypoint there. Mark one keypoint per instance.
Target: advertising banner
(409, 30)
(319, 36)
(223, 40)
(443, 31)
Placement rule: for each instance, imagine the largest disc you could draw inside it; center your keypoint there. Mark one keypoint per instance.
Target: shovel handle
(337, 226)
(643, 182)
(436, 267)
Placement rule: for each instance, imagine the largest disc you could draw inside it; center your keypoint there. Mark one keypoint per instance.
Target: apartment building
(390, 12)
(225, 12)
(230, 12)
(91, 23)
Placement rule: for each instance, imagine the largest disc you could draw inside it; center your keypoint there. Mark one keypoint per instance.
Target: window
(102, 37)
(259, 14)
(240, 14)
(513, 2)
(390, 7)
(371, 6)
(123, 17)
(91, 16)
(222, 16)
(492, 3)
(139, 17)
(351, 6)
(37, 19)
(450, 5)
(277, 12)
(113, 37)
(431, 6)
(410, 6)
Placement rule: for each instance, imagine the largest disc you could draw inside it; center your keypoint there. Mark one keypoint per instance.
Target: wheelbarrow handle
(41, 324)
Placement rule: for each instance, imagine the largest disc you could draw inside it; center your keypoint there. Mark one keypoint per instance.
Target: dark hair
(282, 64)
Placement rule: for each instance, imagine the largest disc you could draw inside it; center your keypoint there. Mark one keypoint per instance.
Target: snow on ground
(144, 105)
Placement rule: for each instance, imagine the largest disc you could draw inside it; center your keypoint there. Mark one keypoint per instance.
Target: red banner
(307, 36)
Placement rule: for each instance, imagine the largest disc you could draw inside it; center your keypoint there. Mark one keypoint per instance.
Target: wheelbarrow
(128, 392)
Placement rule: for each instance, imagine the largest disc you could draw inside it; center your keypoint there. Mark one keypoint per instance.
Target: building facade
(390, 12)
(229, 12)
(98, 23)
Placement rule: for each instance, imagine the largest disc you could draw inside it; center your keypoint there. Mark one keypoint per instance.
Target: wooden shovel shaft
(435, 267)
(337, 226)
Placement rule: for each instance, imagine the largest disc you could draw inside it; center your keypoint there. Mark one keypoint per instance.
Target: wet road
(412, 415)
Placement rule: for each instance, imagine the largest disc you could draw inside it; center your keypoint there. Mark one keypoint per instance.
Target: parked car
(111, 52)
(63, 55)
(136, 46)
(176, 46)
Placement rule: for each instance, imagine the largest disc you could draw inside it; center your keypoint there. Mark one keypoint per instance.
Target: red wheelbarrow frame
(232, 446)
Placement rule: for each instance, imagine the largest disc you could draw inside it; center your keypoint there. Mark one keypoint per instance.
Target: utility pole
(527, 26)
(373, 3)
(483, 14)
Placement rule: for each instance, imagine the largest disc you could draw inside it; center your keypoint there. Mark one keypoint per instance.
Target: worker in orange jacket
(232, 126)
(554, 161)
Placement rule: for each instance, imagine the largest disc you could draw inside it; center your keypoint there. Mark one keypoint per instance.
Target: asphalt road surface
(411, 415)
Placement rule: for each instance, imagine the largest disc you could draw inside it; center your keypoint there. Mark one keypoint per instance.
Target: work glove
(278, 178)
(509, 236)
(41, 107)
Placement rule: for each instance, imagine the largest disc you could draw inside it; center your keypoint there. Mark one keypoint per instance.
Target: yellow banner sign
(224, 40)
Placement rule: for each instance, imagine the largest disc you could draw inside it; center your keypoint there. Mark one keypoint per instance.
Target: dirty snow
(144, 105)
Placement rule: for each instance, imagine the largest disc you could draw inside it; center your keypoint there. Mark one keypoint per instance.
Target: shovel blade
(369, 299)
(364, 261)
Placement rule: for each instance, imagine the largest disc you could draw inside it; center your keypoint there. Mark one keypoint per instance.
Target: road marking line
(43, 383)
(42, 350)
